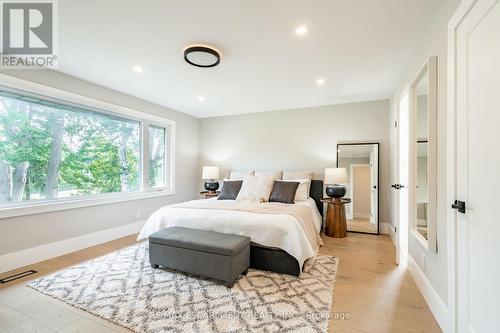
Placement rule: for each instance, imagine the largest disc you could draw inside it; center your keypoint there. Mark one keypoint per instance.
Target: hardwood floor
(376, 294)
(379, 295)
(361, 225)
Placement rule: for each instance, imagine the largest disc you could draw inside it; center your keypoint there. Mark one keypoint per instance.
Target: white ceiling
(360, 47)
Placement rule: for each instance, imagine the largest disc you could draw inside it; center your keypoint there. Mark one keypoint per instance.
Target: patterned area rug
(123, 288)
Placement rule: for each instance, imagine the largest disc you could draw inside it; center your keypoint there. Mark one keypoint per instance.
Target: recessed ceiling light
(201, 99)
(301, 30)
(138, 69)
(320, 81)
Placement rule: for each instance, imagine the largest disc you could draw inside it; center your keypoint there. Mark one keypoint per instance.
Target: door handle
(459, 205)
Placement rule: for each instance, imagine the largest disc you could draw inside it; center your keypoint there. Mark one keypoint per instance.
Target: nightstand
(336, 224)
(208, 194)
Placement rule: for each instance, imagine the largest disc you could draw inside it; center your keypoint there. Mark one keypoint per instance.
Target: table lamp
(335, 179)
(211, 174)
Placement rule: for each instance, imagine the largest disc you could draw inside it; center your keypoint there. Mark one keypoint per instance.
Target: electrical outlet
(138, 214)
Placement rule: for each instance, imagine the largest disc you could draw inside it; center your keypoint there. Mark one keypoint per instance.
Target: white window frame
(168, 176)
(145, 119)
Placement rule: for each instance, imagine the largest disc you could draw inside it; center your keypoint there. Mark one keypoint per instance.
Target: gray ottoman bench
(206, 253)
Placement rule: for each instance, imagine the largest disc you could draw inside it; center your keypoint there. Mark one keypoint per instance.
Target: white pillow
(276, 174)
(290, 175)
(238, 175)
(256, 188)
(303, 190)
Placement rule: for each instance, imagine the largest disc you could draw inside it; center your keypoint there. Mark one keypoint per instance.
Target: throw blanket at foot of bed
(284, 226)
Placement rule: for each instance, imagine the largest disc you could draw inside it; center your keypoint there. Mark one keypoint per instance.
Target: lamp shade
(335, 176)
(210, 172)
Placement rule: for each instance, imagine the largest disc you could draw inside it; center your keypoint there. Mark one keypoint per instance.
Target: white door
(401, 176)
(476, 105)
(373, 185)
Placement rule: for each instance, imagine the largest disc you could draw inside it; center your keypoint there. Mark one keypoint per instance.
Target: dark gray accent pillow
(284, 192)
(230, 190)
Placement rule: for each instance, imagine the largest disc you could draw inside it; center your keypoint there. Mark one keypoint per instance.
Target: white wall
(299, 139)
(33, 230)
(434, 43)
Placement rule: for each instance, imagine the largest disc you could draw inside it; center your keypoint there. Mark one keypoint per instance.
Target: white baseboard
(392, 232)
(36, 254)
(384, 228)
(436, 304)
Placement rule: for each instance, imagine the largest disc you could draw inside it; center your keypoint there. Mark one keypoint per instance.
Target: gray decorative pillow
(284, 192)
(230, 190)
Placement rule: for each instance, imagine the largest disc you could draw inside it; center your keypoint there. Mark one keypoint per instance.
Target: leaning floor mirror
(362, 164)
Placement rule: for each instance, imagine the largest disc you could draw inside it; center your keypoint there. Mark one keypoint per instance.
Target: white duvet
(281, 231)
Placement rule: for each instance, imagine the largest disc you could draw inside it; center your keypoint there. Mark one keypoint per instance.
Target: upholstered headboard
(316, 192)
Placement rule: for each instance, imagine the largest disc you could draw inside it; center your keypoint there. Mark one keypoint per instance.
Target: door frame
(451, 161)
(401, 258)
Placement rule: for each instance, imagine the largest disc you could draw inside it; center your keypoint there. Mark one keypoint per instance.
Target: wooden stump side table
(336, 224)
(208, 194)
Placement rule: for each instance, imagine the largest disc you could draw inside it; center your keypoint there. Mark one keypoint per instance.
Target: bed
(280, 242)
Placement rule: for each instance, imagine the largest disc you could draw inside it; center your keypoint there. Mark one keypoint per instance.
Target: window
(156, 156)
(55, 151)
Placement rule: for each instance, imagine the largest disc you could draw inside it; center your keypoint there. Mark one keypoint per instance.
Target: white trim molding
(385, 228)
(436, 304)
(36, 254)
(47, 206)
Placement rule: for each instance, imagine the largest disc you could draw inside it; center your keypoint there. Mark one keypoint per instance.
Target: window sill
(72, 203)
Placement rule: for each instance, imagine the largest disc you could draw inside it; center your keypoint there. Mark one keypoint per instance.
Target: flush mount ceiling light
(202, 56)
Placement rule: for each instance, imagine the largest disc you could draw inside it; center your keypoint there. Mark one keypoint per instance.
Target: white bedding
(274, 230)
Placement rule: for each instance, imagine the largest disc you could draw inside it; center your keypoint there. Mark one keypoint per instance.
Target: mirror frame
(378, 178)
(430, 68)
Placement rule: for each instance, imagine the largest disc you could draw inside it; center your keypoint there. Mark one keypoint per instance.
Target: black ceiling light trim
(202, 48)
